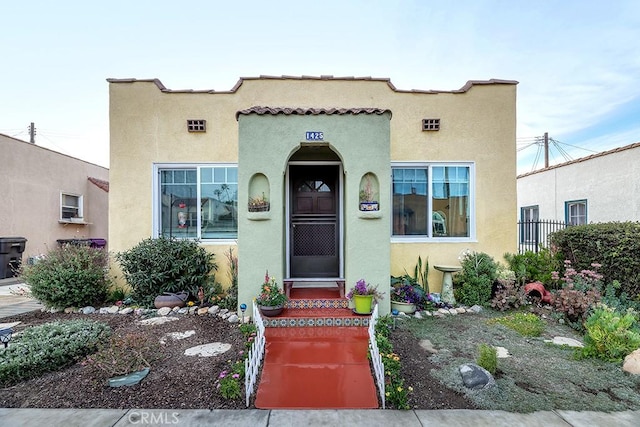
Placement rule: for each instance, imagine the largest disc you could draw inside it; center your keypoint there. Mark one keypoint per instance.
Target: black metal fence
(533, 235)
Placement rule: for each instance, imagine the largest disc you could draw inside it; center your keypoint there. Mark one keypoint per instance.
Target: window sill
(259, 216)
(370, 214)
(73, 221)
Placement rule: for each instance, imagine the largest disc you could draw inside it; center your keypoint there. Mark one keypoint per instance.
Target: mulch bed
(177, 381)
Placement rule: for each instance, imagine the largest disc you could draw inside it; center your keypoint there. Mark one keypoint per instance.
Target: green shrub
(533, 267)
(473, 284)
(488, 358)
(610, 335)
(618, 299)
(155, 266)
(49, 347)
(527, 324)
(69, 276)
(615, 245)
(125, 354)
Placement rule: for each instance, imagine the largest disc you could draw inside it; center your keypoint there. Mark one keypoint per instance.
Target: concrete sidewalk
(10, 304)
(10, 417)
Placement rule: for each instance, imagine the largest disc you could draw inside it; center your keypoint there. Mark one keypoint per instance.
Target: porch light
(5, 336)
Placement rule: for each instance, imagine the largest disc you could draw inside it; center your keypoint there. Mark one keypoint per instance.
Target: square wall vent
(430, 124)
(197, 125)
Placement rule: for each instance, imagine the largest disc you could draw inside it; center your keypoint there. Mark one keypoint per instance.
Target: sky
(577, 61)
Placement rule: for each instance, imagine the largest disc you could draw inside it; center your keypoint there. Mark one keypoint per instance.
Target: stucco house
(319, 180)
(48, 196)
(601, 187)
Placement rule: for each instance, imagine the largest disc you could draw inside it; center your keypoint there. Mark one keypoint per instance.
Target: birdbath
(447, 282)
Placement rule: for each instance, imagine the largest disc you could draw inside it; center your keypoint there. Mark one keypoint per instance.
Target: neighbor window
(433, 200)
(529, 216)
(199, 202)
(575, 212)
(70, 206)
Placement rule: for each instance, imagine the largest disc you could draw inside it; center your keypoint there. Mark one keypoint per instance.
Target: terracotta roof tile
(310, 111)
(100, 183)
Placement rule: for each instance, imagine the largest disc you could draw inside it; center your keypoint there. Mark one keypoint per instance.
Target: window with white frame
(575, 212)
(432, 200)
(70, 206)
(198, 202)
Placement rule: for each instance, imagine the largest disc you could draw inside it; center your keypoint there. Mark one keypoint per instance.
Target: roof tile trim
(583, 159)
(100, 183)
(310, 111)
(468, 85)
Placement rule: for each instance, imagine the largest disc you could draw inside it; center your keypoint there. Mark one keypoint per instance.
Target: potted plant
(405, 298)
(272, 298)
(367, 196)
(363, 296)
(258, 204)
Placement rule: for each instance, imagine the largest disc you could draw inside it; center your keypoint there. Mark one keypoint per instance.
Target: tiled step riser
(310, 322)
(317, 303)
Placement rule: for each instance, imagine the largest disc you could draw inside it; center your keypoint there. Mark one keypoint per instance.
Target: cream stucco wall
(478, 122)
(607, 181)
(32, 178)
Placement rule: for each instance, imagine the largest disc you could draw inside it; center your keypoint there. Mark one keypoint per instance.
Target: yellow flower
(410, 388)
(190, 303)
(399, 388)
(387, 394)
(396, 358)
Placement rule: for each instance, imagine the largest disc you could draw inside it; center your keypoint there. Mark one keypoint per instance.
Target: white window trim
(472, 203)
(155, 196)
(80, 217)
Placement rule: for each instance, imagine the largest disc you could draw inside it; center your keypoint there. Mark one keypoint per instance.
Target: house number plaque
(315, 136)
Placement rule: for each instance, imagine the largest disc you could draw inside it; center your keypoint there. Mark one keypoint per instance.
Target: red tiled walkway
(316, 367)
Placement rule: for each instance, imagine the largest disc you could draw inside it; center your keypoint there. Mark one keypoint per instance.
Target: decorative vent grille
(197, 125)
(430, 124)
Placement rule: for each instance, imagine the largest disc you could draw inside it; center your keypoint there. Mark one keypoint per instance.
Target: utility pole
(32, 133)
(546, 149)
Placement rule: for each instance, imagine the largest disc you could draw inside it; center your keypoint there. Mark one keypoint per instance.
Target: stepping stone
(502, 353)
(177, 336)
(565, 341)
(157, 320)
(208, 350)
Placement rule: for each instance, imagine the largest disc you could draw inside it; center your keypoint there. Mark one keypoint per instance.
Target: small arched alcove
(259, 193)
(369, 192)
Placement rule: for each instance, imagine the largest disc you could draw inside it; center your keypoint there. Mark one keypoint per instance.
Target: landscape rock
(203, 310)
(113, 309)
(453, 311)
(183, 310)
(104, 310)
(417, 315)
(461, 310)
(164, 311)
(192, 310)
(208, 350)
(176, 309)
(443, 311)
(233, 318)
(476, 308)
(565, 341)
(428, 346)
(69, 310)
(214, 309)
(88, 310)
(476, 377)
(632, 363)
(126, 310)
(502, 353)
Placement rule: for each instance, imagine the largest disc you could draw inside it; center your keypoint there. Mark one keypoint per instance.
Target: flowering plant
(364, 288)
(271, 295)
(406, 293)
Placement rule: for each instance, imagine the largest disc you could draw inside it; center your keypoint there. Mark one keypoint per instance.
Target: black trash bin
(11, 249)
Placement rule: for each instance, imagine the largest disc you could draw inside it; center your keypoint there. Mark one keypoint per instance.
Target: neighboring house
(316, 179)
(49, 196)
(602, 187)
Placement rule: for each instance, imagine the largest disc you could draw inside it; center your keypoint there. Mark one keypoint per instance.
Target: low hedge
(614, 245)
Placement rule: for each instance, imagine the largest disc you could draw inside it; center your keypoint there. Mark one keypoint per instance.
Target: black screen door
(314, 234)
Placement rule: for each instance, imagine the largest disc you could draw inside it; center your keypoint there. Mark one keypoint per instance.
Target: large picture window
(198, 202)
(433, 200)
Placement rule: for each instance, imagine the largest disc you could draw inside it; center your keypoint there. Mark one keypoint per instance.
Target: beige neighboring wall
(31, 181)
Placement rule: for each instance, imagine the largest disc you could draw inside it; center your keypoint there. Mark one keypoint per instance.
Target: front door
(314, 234)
